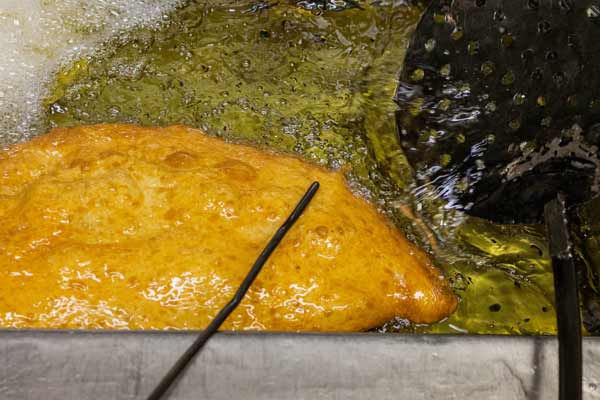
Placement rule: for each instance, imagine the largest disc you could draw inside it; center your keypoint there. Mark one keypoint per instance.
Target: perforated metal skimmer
(499, 115)
(499, 103)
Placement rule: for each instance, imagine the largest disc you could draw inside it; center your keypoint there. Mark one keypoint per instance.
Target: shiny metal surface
(125, 365)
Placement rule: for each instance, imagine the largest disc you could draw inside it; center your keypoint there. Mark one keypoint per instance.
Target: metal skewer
(183, 361)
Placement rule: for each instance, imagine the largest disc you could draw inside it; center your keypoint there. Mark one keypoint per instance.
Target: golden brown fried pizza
(127, 227)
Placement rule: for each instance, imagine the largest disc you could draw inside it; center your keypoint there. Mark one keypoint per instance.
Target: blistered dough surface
(125, 227)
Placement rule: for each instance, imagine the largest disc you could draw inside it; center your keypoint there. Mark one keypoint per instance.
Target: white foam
(37, 36)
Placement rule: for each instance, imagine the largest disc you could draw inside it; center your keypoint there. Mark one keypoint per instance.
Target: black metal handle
(566, 290)
(212, 328)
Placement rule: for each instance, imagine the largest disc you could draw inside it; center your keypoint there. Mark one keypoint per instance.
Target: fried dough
(127, 227)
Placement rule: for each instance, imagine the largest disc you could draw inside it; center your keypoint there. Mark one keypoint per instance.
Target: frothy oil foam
(37, 36)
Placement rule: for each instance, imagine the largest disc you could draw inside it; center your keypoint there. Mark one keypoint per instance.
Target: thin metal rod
(213, 327)
(566, 290)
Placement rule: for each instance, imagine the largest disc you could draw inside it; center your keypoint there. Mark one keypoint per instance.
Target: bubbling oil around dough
(319, 84)
(37, 36)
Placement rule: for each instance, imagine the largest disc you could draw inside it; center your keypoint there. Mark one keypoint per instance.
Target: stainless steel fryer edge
(81, 365)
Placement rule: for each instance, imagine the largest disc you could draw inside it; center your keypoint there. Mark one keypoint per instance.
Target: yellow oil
(302, 78)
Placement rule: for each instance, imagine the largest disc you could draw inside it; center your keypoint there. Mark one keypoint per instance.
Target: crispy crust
(119, 226)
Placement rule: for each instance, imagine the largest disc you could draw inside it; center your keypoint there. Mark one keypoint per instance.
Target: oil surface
(37, 36)
(301, 78)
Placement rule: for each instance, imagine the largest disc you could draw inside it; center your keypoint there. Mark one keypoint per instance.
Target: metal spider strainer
(500, 116)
